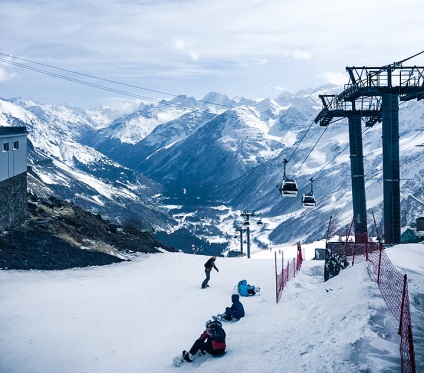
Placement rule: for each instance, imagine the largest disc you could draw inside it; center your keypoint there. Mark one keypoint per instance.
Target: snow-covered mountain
(212, 158)
(76, 172)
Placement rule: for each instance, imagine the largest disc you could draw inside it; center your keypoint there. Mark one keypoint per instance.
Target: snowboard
(221, 317)
(179, 360)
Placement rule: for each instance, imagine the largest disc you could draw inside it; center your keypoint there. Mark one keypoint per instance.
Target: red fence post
(366, 248)
(288, 270)
(402, 305)
(276, 278)
(379, 264)
(411, 350)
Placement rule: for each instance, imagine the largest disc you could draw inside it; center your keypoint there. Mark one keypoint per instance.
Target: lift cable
(340, 152)
(294, 151)
(396, 64)
(298, 144)
(94, 85)
(95, 77)
(316, 143)
(104, 88)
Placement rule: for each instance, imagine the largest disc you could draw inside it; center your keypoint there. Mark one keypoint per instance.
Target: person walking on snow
(208, 268)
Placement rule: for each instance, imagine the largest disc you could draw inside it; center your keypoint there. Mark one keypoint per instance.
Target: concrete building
(13, 176)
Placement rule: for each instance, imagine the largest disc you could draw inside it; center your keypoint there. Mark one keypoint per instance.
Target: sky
(250, 48)
(137, 316)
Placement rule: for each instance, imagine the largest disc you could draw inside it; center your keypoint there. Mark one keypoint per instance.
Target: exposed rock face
(13, 205)
(60, 235)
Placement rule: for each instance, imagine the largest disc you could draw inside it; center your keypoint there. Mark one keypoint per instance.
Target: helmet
(208, 323)
(214, 257)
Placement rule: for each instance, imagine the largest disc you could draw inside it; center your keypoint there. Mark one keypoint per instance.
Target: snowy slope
(135, 316)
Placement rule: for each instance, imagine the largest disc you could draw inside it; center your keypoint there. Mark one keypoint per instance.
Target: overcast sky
(251, 48)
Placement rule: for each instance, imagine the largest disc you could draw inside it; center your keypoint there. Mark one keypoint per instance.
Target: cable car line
(95, 77)
(319, 138)
(298, 144)
(340, 152)
(94, 85)
(294, 151)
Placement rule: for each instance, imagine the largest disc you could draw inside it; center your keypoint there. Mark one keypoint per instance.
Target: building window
(15, 145)
(5, 147)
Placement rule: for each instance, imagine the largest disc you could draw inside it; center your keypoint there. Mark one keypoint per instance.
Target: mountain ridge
(230, 155)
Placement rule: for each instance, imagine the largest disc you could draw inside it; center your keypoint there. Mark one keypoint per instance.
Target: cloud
(5, 75)
(228, 46)
(185, 46)
(333, 78)
(301, 55)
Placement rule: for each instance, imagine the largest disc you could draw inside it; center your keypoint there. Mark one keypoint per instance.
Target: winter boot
(187, 356)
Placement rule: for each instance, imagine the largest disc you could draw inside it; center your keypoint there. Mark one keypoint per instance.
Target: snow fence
(286, 273)
(392, 284)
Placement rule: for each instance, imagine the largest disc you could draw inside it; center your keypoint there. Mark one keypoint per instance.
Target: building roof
(12, 130)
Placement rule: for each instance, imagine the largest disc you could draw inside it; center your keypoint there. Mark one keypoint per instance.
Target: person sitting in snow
(211, 341)
(208, 268)
(235, 312)
(246, 290)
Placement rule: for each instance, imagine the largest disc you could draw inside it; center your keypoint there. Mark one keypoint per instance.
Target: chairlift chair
(308, 200)
(288, 187)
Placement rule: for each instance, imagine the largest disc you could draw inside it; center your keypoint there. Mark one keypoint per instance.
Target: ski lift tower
(392, 83)
(367, 109)
(241, 231)
(246, 215)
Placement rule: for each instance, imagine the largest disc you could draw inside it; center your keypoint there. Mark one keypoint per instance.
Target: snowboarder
(235, 312)
(211, 341)
(246, 290)
(208, 268)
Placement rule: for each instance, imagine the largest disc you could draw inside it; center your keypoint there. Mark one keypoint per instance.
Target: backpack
(217, 333)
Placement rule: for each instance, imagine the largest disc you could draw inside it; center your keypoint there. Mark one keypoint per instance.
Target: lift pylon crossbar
(369, 108)
(407, 82)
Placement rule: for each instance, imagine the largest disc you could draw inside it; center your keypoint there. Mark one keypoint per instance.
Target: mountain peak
(217, 98)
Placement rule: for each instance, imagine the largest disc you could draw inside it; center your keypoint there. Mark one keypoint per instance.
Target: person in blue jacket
(236, 311)
(245, 289)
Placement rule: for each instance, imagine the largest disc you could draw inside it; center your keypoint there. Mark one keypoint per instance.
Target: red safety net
(393, 286)
(287, 273)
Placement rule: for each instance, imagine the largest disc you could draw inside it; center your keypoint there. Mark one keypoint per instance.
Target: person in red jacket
(211, 341)
(208, 268)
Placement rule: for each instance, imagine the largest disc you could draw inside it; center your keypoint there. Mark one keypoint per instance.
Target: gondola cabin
(308, 200)
(288, 188)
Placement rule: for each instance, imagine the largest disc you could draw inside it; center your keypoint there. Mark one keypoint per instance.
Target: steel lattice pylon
(373, 93)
